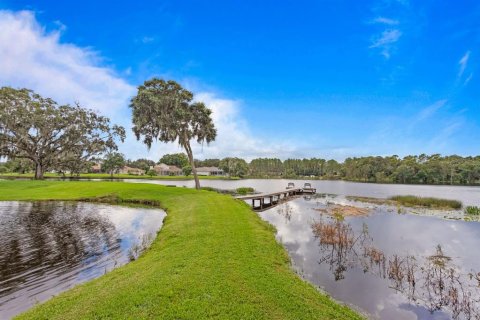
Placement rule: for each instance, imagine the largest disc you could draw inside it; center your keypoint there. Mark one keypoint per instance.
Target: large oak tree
(48, 134)
(164, 111)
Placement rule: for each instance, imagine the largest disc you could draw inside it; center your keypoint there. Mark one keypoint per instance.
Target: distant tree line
(422, 169)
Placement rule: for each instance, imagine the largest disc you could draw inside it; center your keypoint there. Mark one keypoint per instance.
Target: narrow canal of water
(49, 247)
(390, 263)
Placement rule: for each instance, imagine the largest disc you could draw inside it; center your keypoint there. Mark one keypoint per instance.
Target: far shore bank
(104, 176)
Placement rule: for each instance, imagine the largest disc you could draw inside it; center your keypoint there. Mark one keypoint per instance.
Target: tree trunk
(38, 171)
(192, 164)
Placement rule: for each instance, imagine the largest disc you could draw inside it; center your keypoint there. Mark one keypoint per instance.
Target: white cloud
(386, 41)
(33, 58)
(463, 63)
(430, 110)
(234, 137)
(468, 79)
(387, 21)
(147, 39)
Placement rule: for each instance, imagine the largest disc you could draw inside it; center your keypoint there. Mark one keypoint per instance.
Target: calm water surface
(48, 247)
(468, 195)
(389, 265)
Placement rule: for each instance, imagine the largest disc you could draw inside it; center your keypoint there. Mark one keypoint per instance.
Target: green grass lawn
(213, 258)
(115, 176)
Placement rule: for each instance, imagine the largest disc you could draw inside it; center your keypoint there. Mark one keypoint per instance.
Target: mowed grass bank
(213, 258)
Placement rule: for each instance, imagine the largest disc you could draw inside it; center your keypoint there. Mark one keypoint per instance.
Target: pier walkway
(263, 201)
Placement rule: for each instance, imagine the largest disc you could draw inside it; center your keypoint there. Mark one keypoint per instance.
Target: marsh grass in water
(245, 190)
(472, 210)
(411, 201)
(434, 203)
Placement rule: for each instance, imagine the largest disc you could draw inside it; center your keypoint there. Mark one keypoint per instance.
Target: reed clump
(472, 210)
(427, 202)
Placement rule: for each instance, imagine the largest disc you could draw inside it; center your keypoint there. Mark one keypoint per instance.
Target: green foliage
(472, 210)
(164, 111)
(420, 169)
(143, 164)
(235, 167)
(113, 162)
(151, 173)
(207, 163)
(49, 135)
(18, 165)
(187, 170)
(179, 160)
(413, 201)
(245, 190)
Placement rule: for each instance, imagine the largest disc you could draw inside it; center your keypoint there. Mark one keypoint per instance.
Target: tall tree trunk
(192, 164)
(38, 171)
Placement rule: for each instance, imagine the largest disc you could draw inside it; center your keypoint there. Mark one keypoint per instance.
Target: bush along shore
(214, 258)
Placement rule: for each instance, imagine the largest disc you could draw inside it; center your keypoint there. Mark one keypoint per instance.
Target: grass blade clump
(245, 190)
(472, 210)
(428, 202)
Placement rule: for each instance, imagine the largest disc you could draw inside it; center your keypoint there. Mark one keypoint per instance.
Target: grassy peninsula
(214, 258)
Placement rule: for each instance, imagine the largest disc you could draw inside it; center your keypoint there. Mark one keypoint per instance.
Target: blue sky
(327, 79)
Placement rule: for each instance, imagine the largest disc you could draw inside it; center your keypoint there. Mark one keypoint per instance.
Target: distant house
(96, 168)
(133, 171)
(209, 171)
(163, 169)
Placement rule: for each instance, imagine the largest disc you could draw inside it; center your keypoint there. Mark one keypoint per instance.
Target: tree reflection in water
(433, 282)
(42, 238)
(285, 211)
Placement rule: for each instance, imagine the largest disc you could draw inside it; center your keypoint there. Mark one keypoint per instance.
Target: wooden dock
(263, 201)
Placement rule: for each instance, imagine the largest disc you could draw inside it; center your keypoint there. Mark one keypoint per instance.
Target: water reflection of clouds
(133, 223)
(47, 247)
(403, 234)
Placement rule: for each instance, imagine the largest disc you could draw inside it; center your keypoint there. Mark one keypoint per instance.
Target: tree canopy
(164, 111)
(235, 167)
(175, 159)
(143, 164)
(113, 162)
(51, 135)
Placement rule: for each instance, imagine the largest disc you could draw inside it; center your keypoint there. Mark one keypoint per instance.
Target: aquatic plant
(428, 202)
(433, 282)
(245, 190)
(473, 210)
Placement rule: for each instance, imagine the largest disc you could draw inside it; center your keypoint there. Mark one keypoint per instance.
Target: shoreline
(107, 177)
(195, 268)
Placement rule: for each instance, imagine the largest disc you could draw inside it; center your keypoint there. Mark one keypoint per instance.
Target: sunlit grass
(214, 258)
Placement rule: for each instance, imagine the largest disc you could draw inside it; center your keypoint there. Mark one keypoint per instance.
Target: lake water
(390, 265)
(49, 247)
(468, 195)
